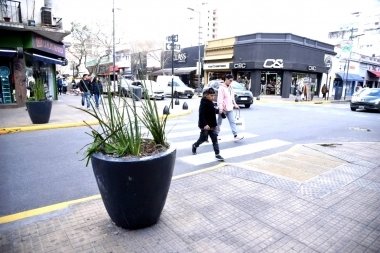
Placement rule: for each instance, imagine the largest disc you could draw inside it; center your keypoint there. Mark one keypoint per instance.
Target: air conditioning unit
(46, 16)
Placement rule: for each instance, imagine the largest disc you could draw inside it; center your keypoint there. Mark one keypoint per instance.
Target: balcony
(46, 25)
(10, 11)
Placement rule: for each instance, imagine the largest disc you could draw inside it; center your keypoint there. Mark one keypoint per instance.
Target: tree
(148, 54)
(81, 38)
(89, 44)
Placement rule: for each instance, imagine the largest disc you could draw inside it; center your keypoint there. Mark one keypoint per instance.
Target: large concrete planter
(39, 111)
(134, 190)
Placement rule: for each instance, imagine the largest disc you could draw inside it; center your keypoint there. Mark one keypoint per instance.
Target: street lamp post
(113, 44)
(349, 58)
(199, 46)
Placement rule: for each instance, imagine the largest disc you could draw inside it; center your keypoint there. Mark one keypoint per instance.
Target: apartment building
(31, 46)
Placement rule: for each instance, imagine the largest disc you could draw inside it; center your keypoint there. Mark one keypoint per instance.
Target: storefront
(373, 78)
(25, 56)
(277, 64)
(218, 57)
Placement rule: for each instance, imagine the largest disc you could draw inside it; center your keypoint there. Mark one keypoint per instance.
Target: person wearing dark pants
(59, 84)
(85, 89)
(207, 124)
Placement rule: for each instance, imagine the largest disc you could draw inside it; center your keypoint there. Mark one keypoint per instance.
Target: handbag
(239, 121)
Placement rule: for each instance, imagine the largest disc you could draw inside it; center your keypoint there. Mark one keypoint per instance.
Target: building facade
(29, 49)
(185, 65)
(276, 63)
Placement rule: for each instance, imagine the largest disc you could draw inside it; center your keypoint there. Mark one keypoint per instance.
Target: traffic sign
(173, 38)
(169, 46)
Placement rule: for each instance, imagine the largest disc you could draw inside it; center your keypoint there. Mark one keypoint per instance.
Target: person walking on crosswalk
(207, 123)
(226, 103)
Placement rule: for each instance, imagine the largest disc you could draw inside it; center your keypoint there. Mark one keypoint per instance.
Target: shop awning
(7, 53)
(46, 59)
(177, 71)
(356, 77)
(218, 57)
(376, 73)
(350, 77)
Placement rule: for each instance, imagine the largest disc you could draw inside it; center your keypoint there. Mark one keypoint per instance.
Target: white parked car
(179, 88)
(154, 90)
(125, 86)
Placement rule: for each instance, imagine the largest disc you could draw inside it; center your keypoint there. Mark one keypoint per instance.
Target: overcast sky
(149, 19)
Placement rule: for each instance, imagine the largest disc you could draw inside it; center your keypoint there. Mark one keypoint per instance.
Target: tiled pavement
(234, 208)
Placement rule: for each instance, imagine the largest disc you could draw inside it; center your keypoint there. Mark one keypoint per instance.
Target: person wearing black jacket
(86, 90)
(207, 123)
(97, 89)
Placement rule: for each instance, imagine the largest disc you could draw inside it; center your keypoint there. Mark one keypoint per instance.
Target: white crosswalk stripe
(208, 157)
(193, 132)
(224, 138)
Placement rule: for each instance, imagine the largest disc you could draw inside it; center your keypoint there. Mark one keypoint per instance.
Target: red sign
(116, 68)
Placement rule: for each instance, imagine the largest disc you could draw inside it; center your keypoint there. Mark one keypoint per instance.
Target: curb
(291, 102)
(10, 130)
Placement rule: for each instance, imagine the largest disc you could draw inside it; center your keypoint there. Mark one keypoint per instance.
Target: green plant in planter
(38, 89)
(133, 170)
(120, 132)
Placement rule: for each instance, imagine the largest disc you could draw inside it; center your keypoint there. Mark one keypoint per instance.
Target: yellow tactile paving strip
(299, 163)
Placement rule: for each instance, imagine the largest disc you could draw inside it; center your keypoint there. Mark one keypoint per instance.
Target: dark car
(367, 99)
(242, 95)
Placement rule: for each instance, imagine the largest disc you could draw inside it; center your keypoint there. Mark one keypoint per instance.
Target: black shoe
(207, 141)
(219, 158)
(194, 149)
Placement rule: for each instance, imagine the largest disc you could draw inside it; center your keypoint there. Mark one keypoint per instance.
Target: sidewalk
(63, 115)
(311, 198)
(292, 98)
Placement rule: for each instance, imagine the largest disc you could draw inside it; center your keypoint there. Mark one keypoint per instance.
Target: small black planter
(134, 190)
(39, 111)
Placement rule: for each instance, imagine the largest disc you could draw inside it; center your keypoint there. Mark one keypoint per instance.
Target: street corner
(177, 113)
(299, 163)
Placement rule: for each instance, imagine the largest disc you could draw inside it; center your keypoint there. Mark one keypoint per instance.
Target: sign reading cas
(181, 57)
(274, 64)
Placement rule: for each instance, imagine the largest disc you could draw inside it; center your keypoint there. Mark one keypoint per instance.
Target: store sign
(240, 65)
(46, 45)
(181, 58)
(216, 66)
(274, 64)
(312, 68)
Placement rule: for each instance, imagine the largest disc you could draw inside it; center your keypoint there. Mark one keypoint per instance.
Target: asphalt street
(42, 168)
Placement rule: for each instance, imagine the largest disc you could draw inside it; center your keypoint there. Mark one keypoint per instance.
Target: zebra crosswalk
(184, 133)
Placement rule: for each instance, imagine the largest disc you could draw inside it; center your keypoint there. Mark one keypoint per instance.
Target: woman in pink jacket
(226, 103)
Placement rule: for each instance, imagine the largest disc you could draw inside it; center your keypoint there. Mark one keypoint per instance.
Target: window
(213, 36)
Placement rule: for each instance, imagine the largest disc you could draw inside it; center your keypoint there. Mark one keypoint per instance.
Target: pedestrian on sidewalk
(226, 104)
(59, 84)
(207, 123)
(64, 85)
(324, 91)
(97, 90)
(85, 89)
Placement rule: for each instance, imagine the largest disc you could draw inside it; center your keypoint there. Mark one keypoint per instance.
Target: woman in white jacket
(226, 103)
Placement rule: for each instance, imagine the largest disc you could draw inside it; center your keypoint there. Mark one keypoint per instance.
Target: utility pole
(172, 45)
(113, 46)
(348, 64)
(199, 45)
